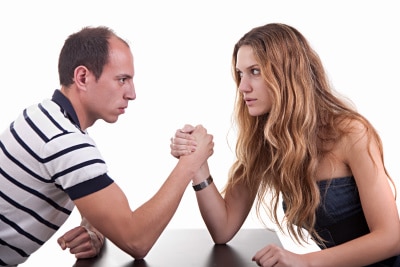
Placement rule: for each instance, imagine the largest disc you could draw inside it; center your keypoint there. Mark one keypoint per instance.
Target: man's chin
(111, 120)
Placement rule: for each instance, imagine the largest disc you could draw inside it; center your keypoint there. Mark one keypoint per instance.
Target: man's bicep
(107, 210)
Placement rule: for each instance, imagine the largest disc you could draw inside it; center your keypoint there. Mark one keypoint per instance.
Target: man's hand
(183, 143)
(82, 242)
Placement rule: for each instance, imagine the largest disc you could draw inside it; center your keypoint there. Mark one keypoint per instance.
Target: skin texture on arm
(136, 231)
(223, 215)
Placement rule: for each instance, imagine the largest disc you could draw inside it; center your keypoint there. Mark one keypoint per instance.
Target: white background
(182, 52)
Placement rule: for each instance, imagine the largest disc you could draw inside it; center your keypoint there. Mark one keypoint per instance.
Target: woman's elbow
(393, 242)
(396, 245)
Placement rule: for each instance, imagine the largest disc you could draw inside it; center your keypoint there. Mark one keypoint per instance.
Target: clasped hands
(183, 143)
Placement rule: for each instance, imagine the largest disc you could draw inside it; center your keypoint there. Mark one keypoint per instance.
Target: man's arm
(136, 231)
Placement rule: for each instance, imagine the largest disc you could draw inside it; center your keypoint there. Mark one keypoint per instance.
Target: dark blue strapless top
(340, 218)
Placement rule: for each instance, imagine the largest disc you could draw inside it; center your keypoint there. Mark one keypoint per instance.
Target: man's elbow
(138, 250)
(220, 240)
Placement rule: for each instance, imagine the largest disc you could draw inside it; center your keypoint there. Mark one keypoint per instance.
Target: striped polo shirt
(46, 162)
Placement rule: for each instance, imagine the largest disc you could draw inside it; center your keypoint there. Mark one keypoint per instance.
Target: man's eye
(122, 80)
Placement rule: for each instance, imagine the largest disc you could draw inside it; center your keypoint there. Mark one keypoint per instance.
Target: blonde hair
(279, 152)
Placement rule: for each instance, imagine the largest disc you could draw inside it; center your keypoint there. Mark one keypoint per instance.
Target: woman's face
(256, 94)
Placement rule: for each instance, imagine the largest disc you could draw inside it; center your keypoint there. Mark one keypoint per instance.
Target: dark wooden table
(189, 248)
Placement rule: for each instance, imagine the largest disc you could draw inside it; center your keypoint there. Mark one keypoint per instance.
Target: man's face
(108, 97)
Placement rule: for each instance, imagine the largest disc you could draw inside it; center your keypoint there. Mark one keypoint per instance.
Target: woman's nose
(244, 86)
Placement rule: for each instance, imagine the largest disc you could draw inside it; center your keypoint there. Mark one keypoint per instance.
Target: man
(49, 164)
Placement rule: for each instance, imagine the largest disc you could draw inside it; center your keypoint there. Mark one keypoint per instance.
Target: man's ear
(80, 76)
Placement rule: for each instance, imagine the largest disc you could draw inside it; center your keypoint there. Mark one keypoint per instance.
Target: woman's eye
(240, 74)
(255, 71)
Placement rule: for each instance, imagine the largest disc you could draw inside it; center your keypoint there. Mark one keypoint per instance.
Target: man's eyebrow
(124, 76)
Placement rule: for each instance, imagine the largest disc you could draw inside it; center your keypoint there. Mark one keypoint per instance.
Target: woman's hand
(275, 256)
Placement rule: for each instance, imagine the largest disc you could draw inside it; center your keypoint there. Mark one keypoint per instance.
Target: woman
(300, 143)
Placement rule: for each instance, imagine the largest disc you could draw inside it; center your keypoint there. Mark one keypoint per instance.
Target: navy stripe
(77, 167)
(65, 151)
(22, 166)
(29, 211)
(20, 230)
(18, 250)
(34, 192)
(44, 160)
(33, 126)
(89, 186)
(45, 112)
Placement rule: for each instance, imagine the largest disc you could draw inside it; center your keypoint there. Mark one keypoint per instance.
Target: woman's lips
(250, 101)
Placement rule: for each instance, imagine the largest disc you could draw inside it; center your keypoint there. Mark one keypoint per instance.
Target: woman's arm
(223, 215)
(379, 207)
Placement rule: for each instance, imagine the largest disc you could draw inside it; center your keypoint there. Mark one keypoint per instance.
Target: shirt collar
(66, 107)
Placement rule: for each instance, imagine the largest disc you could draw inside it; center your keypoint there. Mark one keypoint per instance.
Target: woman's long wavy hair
(279, 152)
